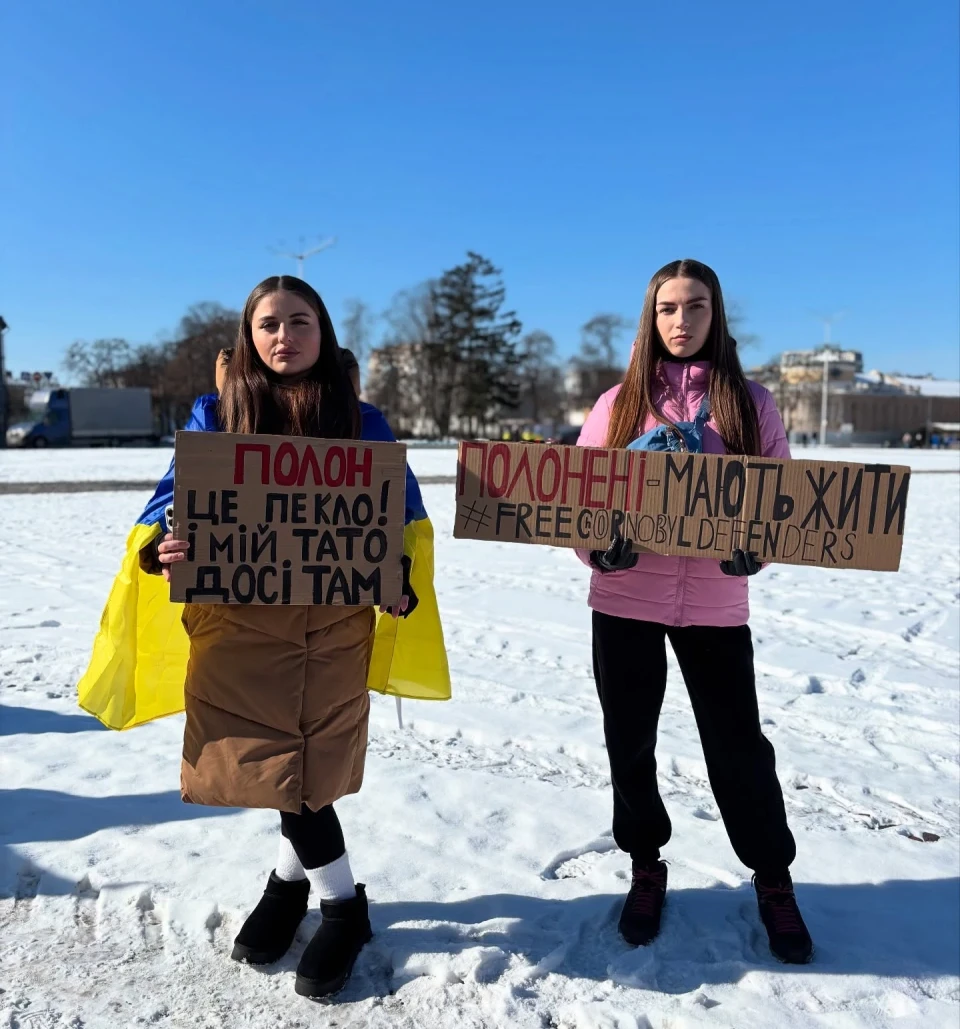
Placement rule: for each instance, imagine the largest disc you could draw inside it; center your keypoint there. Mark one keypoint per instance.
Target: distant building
(862, 407)
(584, 385)
(802, 367)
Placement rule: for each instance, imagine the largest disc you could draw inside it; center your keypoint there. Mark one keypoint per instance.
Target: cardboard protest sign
(288, 520)
(831, 513)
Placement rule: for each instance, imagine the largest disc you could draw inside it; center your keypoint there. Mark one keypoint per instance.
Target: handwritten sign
(834, 514)
(288, 520)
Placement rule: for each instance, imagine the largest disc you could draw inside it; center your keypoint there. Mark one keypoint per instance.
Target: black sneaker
(789, 939)
(328, 960)
(269, 931)
(640, 918)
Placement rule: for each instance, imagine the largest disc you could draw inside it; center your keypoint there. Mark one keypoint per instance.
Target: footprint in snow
(85, 905)
(573, 863)
(28, 885)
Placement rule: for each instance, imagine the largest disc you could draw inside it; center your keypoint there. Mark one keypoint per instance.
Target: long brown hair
(254, 399)
(731, 404)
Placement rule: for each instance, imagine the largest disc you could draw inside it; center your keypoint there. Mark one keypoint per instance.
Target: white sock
(333, 881)
(288, 867)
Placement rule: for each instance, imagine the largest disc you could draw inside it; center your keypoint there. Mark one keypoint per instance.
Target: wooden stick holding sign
(288, 520)
(834, 514)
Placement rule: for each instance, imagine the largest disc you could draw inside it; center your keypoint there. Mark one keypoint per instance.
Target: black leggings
(630, 665)
(316, 836)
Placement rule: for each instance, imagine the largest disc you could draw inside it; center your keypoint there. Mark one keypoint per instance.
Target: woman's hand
(742, 562)
(618, 557)
(398, 610)
(170, 551)
(408, 599)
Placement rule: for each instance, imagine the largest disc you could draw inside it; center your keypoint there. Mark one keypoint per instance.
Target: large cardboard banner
(831, 513)
(288, 520)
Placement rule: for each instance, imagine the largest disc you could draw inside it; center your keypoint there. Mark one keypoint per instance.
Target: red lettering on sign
(641, 479)
(569, 473)
(547, 458)
(309, 463)
(289, 476)
(502, 451)
(334, 459)
(616, 477)
(359, 467)
(593, 478)
(240, 456)
(465, 448)
(523, 467)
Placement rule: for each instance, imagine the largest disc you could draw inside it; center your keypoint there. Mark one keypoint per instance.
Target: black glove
(618, 557)
(744, 562)
(406, 590)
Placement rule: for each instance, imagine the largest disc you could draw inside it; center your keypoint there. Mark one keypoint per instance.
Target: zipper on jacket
(682, 573)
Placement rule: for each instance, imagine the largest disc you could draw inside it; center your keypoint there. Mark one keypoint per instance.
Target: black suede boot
(328, 960)
(640, 918)
(789, 939)
(270, 929)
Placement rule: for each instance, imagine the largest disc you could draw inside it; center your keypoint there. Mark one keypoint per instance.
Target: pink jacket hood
(679, 590)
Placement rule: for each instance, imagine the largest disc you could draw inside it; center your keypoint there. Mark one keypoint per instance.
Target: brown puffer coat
(277, 704)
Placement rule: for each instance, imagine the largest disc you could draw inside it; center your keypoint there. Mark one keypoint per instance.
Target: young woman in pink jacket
(685, 389)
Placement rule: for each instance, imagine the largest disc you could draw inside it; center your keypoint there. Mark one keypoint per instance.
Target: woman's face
(286, 333)
(684, 315)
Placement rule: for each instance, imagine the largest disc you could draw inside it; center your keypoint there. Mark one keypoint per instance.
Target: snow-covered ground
(139, 464)
(482, 829)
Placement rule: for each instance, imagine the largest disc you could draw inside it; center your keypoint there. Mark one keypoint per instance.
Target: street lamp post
(301, 256)
(4, 396)
(824, 398)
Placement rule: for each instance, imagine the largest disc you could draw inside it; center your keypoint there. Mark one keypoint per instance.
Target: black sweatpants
(316, 836)
(630, 665)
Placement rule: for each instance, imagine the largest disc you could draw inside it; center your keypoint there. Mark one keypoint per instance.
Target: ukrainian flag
(139, 661)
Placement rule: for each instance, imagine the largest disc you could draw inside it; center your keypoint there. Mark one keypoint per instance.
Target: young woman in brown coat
(276, 697)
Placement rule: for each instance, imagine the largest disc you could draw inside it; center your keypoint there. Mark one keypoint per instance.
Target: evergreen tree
(470, 359)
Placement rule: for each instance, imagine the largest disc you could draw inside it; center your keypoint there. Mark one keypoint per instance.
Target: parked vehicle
(85, 417)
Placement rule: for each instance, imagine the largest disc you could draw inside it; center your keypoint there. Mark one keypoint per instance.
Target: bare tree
(736, 319)
(100, 363)
(410, 313)
(540, 378)
(190, 370)
(596, 367)
(598, 340)
(388, 387)
(396, 374)
(357, 328)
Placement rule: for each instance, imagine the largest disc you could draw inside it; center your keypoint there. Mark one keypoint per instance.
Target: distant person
(684, 374)
(907, 439)
(223, 359)
(935, 441)
(351, 366)
(276, 697)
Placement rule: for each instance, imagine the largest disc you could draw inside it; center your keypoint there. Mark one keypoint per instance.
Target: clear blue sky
(153, 152)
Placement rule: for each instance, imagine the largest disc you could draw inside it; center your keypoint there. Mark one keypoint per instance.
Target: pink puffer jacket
(679, 590)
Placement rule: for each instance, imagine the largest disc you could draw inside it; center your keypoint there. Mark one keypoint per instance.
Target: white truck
(85, 417)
